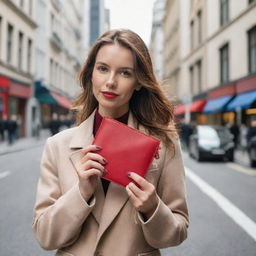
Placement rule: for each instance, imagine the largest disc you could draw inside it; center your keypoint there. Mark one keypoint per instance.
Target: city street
(223, 228)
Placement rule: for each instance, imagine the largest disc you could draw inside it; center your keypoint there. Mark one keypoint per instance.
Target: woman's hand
(145, 198)
(91, 167)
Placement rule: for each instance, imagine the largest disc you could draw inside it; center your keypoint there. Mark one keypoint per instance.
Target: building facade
(41, 51)
(218, 67)
(59, 54)
(17, 60)
(97, 19)
(157, 39)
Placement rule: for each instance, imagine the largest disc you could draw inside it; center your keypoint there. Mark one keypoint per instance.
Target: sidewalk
(241, 157)
(24, 143)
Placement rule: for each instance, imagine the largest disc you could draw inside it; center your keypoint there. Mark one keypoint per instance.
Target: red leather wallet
(126, 150)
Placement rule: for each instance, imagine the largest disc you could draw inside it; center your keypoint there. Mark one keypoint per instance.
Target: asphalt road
(216, 229)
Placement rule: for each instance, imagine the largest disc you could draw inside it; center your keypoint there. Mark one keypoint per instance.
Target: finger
(91, 172)
(144, 184)
(135, 190)
(132, 197)
(92, 164)
(95, 157)
(91, 148)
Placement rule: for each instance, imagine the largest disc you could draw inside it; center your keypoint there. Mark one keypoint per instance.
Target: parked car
(252, 151)
(211, 142)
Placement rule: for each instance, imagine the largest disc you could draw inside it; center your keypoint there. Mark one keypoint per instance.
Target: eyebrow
(103, 63)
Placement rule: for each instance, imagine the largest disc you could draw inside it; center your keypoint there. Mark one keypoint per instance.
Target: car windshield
(212, 133)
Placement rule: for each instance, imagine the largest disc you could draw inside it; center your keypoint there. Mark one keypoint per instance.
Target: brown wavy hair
(149, 105)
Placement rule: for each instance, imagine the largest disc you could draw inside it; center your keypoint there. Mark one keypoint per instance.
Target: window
(192, 34)
(224, 64)
(30, 8)
(191, 73)
(0, 36)
(29, 55)
(9, 43)
(199, 75)
(224, 13)
(51, 71)
(53, 23)
(20, 48)
(199, 18)
(252, 49)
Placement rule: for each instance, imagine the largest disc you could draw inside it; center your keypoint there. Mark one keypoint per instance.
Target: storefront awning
(216, 105)
(62, 101)
(180, 110)
(243, 101)
(197, 106)
(45, 96)
(20, 91)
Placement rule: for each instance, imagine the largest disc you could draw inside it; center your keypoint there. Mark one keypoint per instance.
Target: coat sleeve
(168, 224)
(58, 217)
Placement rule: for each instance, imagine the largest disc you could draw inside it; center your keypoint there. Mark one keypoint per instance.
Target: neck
(111, 113)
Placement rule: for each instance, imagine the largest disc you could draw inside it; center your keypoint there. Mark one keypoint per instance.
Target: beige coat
(109, 226)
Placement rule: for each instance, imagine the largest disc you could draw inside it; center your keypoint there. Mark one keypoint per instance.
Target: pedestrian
(79, 213)
(251, 132)
(235, 131)
(11, 127)
(243, 134)
(4, 125)
(54, 124)
(2, 128)
(185, 133)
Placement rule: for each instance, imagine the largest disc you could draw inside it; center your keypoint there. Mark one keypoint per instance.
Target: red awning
(4, 82)
(62, 101)
(197, 106)
(20, 91)
(180, 109)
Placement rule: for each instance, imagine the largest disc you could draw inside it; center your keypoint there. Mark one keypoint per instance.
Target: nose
(111, 81)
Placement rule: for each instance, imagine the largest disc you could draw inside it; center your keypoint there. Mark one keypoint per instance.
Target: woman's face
(113, 80)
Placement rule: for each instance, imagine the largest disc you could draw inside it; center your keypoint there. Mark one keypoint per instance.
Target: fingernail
(129, 174)
(105, 160)
(104, 172)
(98, 147)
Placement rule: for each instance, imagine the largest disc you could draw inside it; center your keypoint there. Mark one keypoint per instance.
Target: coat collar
(83, 135)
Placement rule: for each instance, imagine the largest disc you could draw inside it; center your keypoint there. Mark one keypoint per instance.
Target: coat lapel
(83, 137)
(115, 200)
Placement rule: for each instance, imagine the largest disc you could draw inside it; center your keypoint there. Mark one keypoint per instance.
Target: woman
(81, 214)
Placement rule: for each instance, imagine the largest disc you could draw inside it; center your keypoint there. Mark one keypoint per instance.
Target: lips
(109, 95)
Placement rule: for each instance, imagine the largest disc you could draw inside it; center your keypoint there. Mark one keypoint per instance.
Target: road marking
(229, 208)
(242, 169)
(4, 174)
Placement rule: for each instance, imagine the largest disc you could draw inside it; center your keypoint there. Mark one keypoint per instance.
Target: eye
(102, 69)
(125, 73)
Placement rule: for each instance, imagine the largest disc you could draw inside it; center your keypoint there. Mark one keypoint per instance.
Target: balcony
(56, 41)
(57, 4)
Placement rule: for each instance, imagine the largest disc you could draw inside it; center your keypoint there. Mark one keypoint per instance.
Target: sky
(132, 14)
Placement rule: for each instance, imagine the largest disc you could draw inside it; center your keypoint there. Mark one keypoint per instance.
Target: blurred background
(204, 57)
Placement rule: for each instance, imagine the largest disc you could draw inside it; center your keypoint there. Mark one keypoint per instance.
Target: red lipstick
(109, 95)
